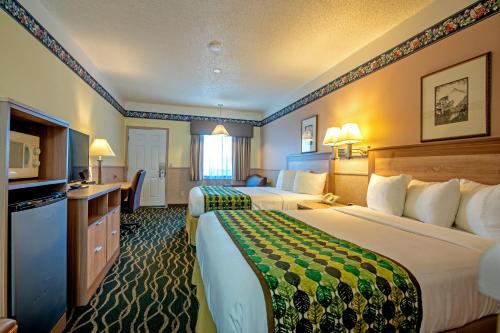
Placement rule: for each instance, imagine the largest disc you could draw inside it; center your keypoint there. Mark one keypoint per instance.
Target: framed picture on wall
(455, 101)
(308, 135)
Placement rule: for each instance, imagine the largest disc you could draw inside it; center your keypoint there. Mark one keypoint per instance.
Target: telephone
(329, 198)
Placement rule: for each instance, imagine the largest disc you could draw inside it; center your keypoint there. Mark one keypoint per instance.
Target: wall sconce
(350, 134)
(331, 138)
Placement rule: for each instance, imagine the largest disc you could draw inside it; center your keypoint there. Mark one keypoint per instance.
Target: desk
(93, 239)
(124, 187)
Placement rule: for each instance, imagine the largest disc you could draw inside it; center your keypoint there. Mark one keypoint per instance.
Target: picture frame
(309, 135)
(455, 101)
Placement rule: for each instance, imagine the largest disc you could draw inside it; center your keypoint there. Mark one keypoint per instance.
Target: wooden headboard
(475, 159)
(315, 162)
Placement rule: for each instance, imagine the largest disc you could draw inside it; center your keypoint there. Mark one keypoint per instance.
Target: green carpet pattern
(149, 287)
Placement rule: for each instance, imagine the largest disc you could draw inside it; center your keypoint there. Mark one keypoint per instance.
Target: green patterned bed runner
(224, 198)
(315, 282)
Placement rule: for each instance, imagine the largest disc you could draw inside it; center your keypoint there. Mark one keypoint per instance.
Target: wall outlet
(183, 193)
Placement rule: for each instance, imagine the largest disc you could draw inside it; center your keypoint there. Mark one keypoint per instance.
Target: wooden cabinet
(96, 249)
(93, 239)
(113, 232)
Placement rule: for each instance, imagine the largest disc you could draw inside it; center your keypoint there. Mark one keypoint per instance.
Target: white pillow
(285, 180)
(309, 183)
(479, 210)
(433, 203)
(387, 194)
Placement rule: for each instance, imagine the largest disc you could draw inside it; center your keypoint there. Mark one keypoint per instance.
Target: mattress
(444, 261)
(262, 198)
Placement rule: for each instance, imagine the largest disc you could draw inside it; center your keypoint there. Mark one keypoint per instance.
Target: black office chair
(132, 201)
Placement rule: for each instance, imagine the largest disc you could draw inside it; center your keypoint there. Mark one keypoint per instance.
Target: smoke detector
(215, 46)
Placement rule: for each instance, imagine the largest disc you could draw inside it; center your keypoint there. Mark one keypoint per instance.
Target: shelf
(28, 183)
(94, 218)
(111, 208)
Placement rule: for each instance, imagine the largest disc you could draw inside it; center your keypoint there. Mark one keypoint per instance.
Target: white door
(147, 149)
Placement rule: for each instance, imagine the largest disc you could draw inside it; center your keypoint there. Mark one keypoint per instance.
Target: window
(217, 157)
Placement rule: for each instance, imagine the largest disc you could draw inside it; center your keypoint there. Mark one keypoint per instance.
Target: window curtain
(241, 158)
(196, 157)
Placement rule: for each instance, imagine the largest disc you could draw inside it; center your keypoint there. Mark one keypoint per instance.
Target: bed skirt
(191, 224)
(205, 323)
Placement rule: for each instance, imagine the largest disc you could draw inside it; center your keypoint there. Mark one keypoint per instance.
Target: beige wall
(178, 182)
(180, 140)
(32, 75)
(386, 104)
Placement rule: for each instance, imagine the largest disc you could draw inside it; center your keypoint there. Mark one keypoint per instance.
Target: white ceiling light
(217, 70)
(215, 46)
(220, 130)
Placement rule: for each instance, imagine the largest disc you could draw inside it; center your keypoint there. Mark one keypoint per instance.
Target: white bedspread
(444, 261)
(262, 198)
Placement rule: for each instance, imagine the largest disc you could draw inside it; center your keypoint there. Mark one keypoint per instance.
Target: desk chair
(132, 201)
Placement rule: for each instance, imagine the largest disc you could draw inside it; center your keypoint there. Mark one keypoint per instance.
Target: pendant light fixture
(220, 130)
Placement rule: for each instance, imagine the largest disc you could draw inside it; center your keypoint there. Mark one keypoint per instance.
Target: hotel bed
(262, 198)
(265, 197)
(443, 261)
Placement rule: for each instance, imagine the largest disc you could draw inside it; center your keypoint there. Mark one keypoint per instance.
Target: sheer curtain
(217, 157)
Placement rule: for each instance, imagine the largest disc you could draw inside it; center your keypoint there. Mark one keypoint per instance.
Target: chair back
(134, 195)
(255, 181)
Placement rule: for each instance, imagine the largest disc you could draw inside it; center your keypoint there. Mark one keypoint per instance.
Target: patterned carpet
(148, 289)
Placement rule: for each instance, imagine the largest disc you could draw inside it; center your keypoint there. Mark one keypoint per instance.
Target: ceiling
(156, 51)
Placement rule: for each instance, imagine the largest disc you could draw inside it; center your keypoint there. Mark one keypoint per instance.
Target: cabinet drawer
(113, 242)
(96, 249)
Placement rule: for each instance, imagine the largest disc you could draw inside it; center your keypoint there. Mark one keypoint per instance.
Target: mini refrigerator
(37, 262)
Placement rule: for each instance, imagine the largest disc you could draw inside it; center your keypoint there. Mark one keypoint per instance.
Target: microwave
(24, 152)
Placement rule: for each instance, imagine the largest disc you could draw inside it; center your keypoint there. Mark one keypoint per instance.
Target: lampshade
(331, 136)
(101, 147)
(349, 134)
(220, 130)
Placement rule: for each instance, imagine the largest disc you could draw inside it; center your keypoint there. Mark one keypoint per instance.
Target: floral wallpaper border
(184, 117)
(465, 18)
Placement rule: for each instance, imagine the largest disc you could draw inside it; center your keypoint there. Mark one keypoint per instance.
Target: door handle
(98, 249)
(114, 232)
(161, 169)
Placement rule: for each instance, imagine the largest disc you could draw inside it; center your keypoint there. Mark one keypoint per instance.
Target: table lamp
(489, 275)
(100, 148)
(331, 138)
(349, 134)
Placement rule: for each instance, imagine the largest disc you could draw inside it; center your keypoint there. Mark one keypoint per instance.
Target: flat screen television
(78, 155)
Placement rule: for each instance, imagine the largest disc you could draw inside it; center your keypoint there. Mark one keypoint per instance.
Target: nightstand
(308, 205)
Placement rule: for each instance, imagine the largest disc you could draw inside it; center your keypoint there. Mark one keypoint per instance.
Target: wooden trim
(307, 157)
(4, 183)
(482, 146)
(35, 114)
(350, 173)
(60, 325)
(487, 99)
(330, 183)
(167, 131)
